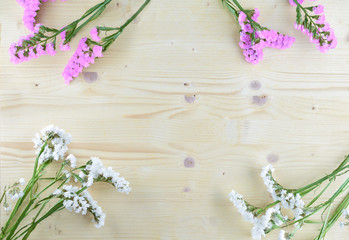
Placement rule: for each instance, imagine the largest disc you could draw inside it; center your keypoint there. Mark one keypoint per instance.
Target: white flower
(239, 202)
(67, 174)
(260, 225)
(263, 223)
(21, 181)
(7, 207)
(345, 213)
(268, 181)
(82, 203)
(15, 194)
(97, 172)
(57, 192)
(72, 159)
(57, 141)
(282, 235)
(99, 216)
(342, 225)
(288, 200)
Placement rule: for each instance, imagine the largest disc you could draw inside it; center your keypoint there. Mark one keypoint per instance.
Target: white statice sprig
(80, 201)
(71, 160)
(95, 171)
(54, 142)
(262, 224)
(52, 146)
(13, 192)
(288, 199)
(345, 214)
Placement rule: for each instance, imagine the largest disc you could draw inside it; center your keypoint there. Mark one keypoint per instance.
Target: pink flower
(255, 15)
(294, 4)
(319, 9)
(31, 8)
(50, 50)
(94, 34)
(30, 11)
(62, 46)
(319, 33)
(82, 58)
(253, 52)
(97, 51)
(24, 50)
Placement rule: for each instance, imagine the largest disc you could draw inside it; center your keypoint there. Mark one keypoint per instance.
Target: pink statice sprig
(41, 42)
(253, 36)
(250, 15)
(88, 50)
(312, 22)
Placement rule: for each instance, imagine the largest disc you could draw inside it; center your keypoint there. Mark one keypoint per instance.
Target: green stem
(321, 180)
(29, 225)
(309, 17)
(100, 9)
(110, 39)
(97, 7)
(25, 193)
(3, 195)
(134, 15)
(337, 214)
(27, 190)
(54, 209)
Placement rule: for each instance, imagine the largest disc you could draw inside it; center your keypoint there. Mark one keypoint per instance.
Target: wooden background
(174, 87)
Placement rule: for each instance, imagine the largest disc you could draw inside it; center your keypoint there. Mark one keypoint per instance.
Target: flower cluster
(53, 143)
(31, 9)
(14, 192)
(94, 171)
(94, 34)
(312, 22)
(64, 46)
(253, 42)
(80, 202)
(287, 199)
(260, 225)
(42, 40)
(25, 50)
(273, 217)
(345, 213)
(71, 160)
(82, 58)
(277, 215)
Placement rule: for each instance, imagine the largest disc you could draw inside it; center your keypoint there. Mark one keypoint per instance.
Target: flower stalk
(254, 37)
(51, 147)
(273, 216)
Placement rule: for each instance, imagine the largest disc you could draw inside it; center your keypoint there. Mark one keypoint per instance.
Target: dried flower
(94, 34)
(254, 37)
(95, 172)
(82, 58)
(272, 217)
(71, 159)
(312, 22)
(56, 146)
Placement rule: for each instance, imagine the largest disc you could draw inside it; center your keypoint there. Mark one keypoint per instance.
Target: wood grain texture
(173, 86)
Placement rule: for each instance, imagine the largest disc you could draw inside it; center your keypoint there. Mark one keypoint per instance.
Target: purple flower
(62, 46)
(82, 58)
(292, 2)
(94, 34)
(319, 32)
(253, 51)
(31, 8)
(24, 49)
(319, 9)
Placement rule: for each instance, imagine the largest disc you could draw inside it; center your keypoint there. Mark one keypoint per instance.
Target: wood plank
(175, 86)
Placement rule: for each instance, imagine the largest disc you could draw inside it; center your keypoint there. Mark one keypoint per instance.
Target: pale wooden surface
(137, 119)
